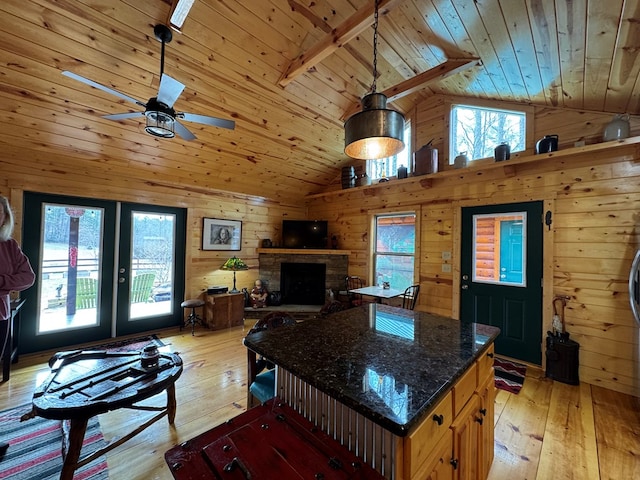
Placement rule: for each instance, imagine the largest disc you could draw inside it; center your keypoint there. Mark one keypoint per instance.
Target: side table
(224, 310)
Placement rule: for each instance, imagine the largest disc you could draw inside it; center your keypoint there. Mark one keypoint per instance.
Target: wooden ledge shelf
(303, 251)
(478, 166)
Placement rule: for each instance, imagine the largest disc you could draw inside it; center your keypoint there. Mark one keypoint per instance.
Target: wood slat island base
(448, 444)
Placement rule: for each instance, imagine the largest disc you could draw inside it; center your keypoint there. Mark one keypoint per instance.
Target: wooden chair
(141, 287)
(351, 283)
(410, 297)
(262, 385)
(86, 293)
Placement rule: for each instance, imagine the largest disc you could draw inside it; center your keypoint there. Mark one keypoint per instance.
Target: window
(394, 254)
(477, 131)
(499, 247)
(388, 167)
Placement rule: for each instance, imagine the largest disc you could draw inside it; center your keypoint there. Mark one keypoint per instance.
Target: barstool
(193, 316)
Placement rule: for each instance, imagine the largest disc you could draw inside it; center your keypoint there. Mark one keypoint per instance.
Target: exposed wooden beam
(422, 80)
(336, 38)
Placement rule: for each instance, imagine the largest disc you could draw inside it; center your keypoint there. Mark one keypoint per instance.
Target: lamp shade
(375, 132)
(235, 264)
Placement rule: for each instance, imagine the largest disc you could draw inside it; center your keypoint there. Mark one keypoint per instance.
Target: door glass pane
(152, 257)
(69, 268)
(499, 245)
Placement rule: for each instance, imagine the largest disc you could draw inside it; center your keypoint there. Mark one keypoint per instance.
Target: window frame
(449, 156)
(416, 247)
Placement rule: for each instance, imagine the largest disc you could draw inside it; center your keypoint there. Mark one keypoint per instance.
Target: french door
(501, 275)
(103, 269)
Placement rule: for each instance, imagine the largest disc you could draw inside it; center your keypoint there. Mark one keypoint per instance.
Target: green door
(501, 275)
(103, 269)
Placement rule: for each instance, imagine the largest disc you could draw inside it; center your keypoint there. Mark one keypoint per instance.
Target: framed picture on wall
(218, 234)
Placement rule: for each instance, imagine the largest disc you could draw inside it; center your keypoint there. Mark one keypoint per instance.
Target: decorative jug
(617, 128)
(502, 152)
(547, 144)
(461, 160)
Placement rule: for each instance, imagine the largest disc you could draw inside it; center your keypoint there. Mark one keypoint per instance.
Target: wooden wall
(261, 218)
(594, 195)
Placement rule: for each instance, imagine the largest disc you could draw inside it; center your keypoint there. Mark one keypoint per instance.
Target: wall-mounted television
(304, 233)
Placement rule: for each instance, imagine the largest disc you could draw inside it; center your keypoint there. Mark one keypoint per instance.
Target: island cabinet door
(487, 394)
(439, 466)
(466, 431)
(420, 444)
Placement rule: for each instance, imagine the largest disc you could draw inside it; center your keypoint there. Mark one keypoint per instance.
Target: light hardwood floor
(548, 431)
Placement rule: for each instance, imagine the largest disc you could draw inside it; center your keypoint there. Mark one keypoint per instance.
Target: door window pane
(69, 268)
(499, 245)
(395, 238)
(152, 257)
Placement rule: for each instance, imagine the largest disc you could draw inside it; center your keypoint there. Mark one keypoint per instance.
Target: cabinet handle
(479, 420)
(483, 411)
(454, 462)
(438, 419)
(490, 355)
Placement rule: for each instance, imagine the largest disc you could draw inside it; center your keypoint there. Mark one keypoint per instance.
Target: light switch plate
(446, 268)
(446, 255)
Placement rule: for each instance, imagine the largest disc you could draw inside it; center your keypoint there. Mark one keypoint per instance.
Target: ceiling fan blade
(183, 131)
(123, 116)
(102, 87)
(170, 90)
(214, 121)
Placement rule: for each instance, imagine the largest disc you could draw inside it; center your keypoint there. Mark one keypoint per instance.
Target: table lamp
(234, 264)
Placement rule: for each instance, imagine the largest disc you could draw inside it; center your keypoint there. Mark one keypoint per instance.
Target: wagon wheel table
(83, 384)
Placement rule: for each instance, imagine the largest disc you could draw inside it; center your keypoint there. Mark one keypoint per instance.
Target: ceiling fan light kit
(161, 118)
(375, 132)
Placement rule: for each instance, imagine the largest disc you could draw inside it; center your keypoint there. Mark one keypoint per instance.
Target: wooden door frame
(548, 205)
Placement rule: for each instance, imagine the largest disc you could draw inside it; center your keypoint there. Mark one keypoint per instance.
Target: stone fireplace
(308, 274)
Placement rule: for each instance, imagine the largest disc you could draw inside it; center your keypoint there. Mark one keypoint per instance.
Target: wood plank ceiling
(233, 55)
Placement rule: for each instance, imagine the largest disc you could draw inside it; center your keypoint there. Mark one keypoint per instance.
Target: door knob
(465, 287)
(121, 280)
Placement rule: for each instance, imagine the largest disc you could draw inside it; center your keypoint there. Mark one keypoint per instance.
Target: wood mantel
(303, 251)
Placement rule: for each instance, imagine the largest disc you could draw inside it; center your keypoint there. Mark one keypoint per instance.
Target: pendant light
(376, 131)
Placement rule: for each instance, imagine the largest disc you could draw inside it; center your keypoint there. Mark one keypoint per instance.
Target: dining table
(378, 292)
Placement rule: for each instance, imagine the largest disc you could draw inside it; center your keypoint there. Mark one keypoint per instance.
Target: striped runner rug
(34, 448)
(509, 375)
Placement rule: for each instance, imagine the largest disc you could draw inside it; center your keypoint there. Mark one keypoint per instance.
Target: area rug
(34, 448)
(128, 344)
(509, 375)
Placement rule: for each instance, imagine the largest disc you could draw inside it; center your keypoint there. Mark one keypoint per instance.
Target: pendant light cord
(375, 48)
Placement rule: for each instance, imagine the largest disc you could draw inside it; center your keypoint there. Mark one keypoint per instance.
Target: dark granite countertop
(389, 364)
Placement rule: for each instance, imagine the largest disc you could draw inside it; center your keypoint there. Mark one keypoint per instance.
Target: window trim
(488, 104)
(416, 211)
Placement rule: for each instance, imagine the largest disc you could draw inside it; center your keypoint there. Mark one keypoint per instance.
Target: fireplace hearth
(302, 283)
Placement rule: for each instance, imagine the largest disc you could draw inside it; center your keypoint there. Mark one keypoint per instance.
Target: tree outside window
(478, 131)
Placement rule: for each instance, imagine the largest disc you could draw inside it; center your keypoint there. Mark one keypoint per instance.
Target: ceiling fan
(161, 118)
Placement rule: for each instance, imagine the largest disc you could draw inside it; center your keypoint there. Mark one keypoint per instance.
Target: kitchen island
(406, 391)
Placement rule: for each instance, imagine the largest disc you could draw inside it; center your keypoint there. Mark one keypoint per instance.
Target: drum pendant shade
(375, 132)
